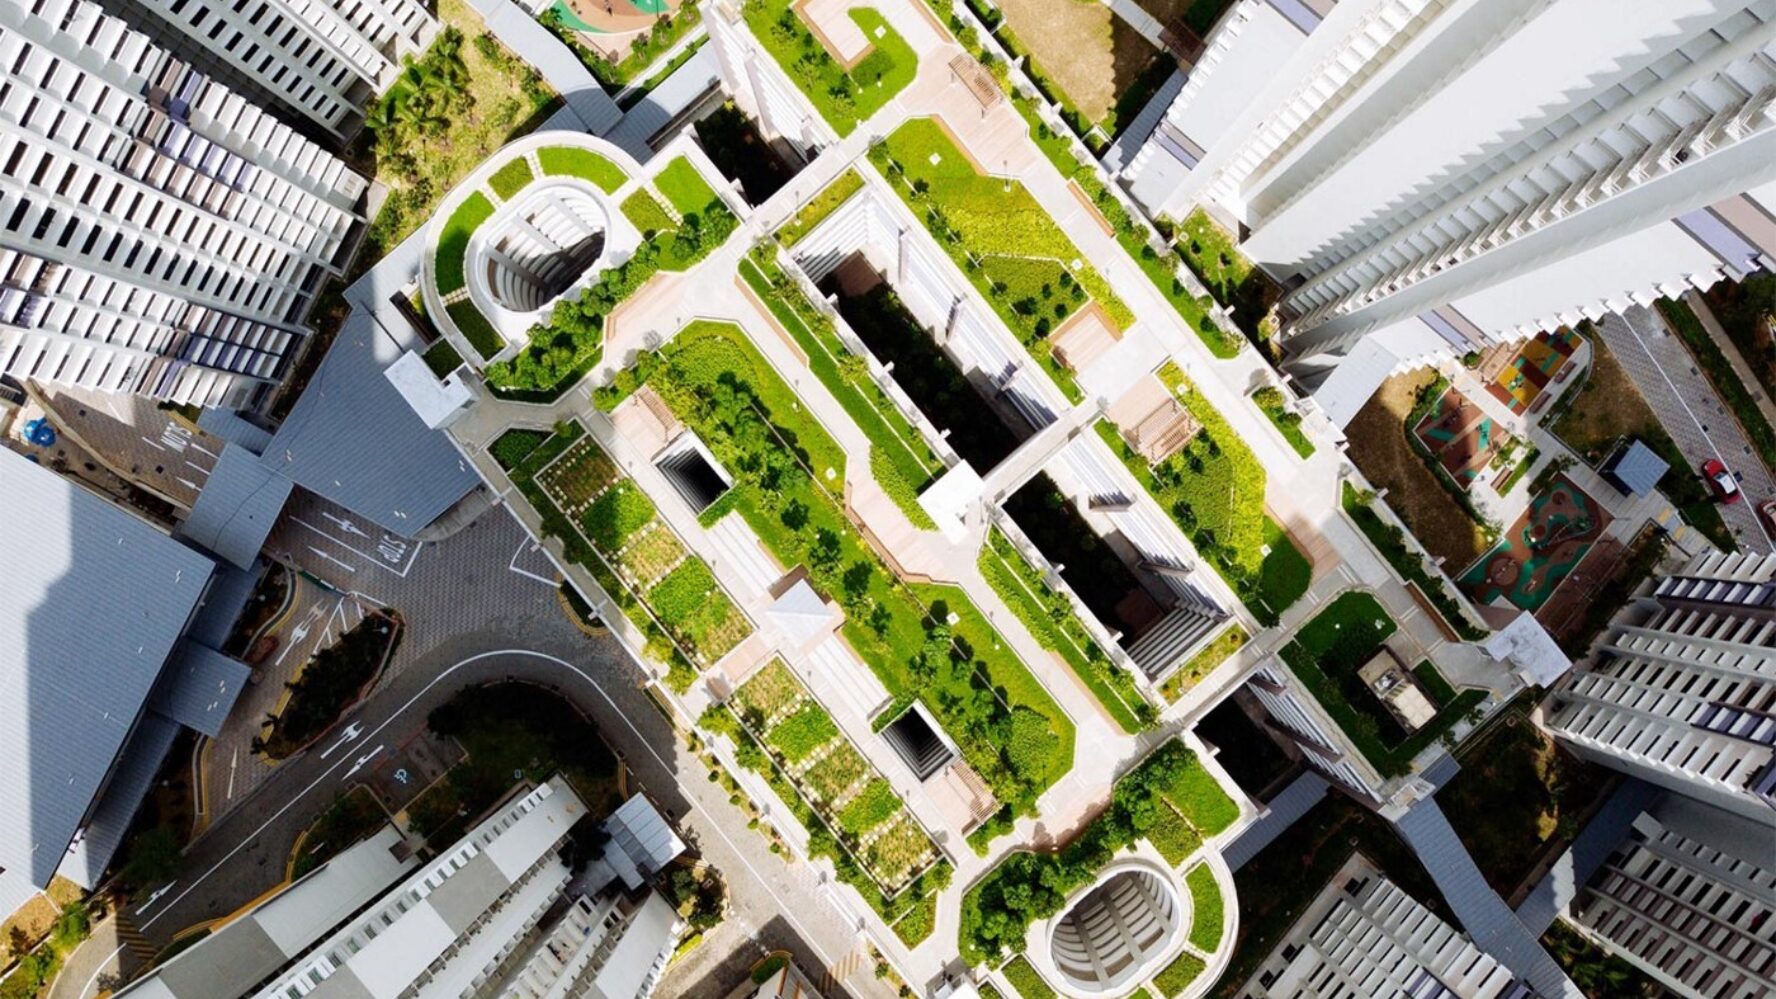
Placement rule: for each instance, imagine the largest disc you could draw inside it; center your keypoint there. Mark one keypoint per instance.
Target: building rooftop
(96, 601)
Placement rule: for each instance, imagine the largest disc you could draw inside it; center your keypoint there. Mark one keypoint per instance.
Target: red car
(1720, 481)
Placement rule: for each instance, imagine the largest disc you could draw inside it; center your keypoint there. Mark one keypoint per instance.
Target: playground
(611, 26)
(1537, 364)
(1540, 549)
(1461, 437)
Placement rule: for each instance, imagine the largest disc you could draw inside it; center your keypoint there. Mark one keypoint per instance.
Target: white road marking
(156, 897)
(88, 989)
(351, 732)
(233, 765)
(783, 907)
(300, 633)
(347, 566)
(393, 549)
(359, 765)
(513, 564)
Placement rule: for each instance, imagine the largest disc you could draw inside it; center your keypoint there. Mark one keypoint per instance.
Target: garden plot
(625, 529)
(835, 778)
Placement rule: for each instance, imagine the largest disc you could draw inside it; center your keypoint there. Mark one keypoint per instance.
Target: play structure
(1463, 439)
(1537, 364)
(1540, 549)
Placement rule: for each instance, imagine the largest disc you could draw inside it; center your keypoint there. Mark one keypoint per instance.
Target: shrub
(1178, 975)
(806, 730)
(616, 515)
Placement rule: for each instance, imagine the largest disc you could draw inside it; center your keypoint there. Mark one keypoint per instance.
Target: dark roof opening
(692, 472)
(917, 741)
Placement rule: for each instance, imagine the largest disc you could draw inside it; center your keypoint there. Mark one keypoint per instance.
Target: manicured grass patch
(515, 445)
(1391, 542)
(1230, 640)
(1597, 417)
(1325, 656)
(569, 161)
(329, 683)
(684, 187)
(900, 460)
(352, 816)
(1026, 981)
(453, 240)
(999, 908)
(510, 178)
(844, 98)
(475, 328)
(1288, 422)
(826, 780)
(820, 206)
(511, 731)
(1723, 376)
(1178, 975)
(1052, 621)
(788, 473)
(645, 212)
(1214, 490)
(997, 232)
(442, 359)
(1206, 908)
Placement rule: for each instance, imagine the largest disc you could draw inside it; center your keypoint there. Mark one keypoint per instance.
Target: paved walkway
(1691, 411)
(552, 58)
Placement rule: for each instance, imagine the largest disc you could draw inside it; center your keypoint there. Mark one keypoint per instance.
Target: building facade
(1689, 897)
(322, 60)
(1364, 936)
(158, 233)
(1681, 692)
(1446, 174)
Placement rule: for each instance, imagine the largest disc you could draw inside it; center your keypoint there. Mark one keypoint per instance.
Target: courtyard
(1539, 550)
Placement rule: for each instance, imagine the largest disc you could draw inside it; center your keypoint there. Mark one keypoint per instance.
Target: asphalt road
(523, 636)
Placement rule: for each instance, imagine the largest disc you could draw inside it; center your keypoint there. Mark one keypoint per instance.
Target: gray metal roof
(136, 766)
(96, 599)
(230, 426)
(644, 842)
(1637, 469)
(239, 504)
(222, 603)
(199, 687)
(352, 439)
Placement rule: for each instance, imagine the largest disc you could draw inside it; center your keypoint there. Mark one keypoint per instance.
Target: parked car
(1720, 481)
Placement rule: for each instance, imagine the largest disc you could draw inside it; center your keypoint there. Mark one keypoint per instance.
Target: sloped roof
(199, 687)
(96, 599)
(141, 759)
(239, 504)
(800, 612)
(353, 439)
(1637, 469)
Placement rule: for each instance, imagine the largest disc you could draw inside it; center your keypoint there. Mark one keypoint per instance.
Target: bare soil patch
(1090, 53)
(1379, 448)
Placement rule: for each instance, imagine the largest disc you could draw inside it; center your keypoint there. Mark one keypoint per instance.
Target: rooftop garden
(643, 51)
(924, 641)
(1275, 408)
(1170, 799)
(1231, 639)
(1054, 623)
(1214, 490)
(1325, 656)
(1212, 253)
(900, 460)
(844, 96)
(1390, 540)
(570, 342)
(819, 207)
(524, 458)
(1000, 237)
(851, 798)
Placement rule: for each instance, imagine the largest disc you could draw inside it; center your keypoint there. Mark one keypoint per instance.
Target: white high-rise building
(1363, 936)
(1439, 175)
(324, 59)
(1682, 690)
(159, 234)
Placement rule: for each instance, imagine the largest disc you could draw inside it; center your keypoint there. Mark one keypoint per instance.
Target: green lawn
(1242, 289)
(843, 98)
(1288, 422)
(1053, 622)
(1165, 792)
(789, 473)
(475, 328)
(1206, 908)
(1325, 656)
(510, 178)
(645, 212)
(1177, 976)
(1230, 640)
(1026, 981)
(442, 359)
(1214, 490)
(900, 461)
(684, 187)
(1001, 238)
(567, 161)
(820, 206)
(453, 241)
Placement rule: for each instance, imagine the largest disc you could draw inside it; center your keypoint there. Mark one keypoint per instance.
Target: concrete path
(563, 70)
(1691, 411)
(1482, 913)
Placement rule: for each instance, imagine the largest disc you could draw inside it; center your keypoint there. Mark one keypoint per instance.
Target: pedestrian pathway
(563, 70)
(1691, 411)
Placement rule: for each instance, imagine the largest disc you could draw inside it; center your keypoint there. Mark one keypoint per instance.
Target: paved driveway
(1684, 401)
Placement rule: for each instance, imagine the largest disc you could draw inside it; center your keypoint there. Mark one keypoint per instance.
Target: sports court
(1462, 437)
(1535, 366)
(1540, 549)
